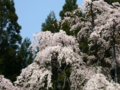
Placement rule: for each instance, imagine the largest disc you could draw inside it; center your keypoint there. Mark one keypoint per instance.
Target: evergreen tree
(111, 1)
(9, 40)
(50, 23)
(24, 54)
(69, 5)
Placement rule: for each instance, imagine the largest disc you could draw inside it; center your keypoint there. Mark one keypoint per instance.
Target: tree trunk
(115, 61)
(92, 16)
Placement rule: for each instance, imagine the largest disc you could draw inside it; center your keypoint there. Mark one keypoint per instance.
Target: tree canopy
(111, 1)
(24, 54)
(69, 5)
(50, 23)
(10, 40)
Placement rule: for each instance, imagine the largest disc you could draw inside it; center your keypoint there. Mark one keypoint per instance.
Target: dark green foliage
(69, 5)
(60, 77)
(9, 40)
(24, 54)
(84, 46)
(111, 1)
(50, 23)
(66, 28)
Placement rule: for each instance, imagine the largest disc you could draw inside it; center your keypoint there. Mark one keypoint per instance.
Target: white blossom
(99, 82)
(6, 84)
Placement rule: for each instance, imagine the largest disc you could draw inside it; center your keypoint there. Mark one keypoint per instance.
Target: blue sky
(32, 13)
